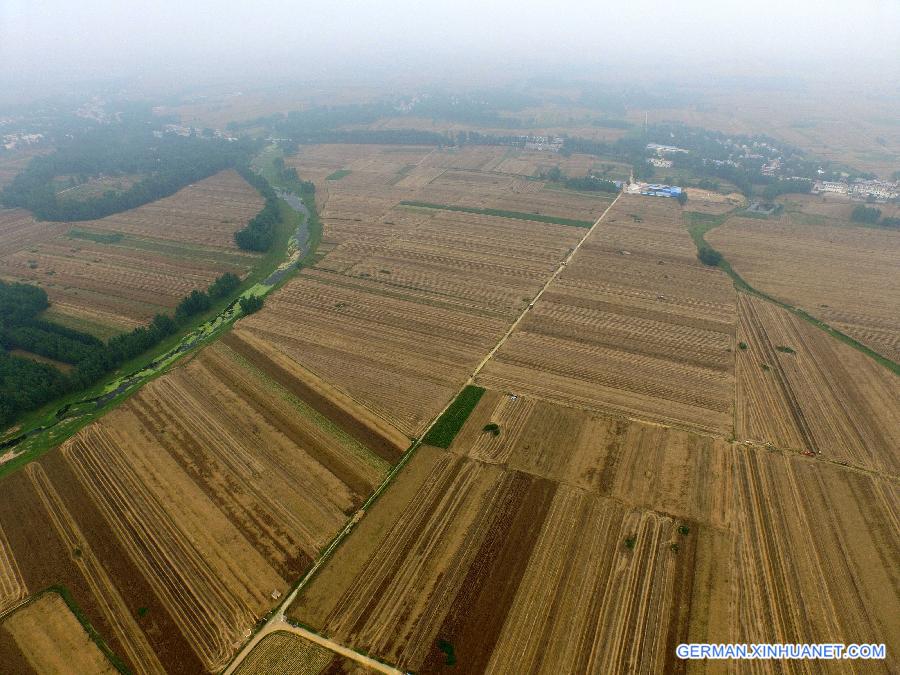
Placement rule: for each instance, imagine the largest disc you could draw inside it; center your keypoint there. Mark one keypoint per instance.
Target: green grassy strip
(337, 175)
(700, 223)
(503, 214)
(98, 237)
(443, 432)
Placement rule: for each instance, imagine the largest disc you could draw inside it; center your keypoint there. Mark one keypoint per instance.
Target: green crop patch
(443, 432)
(337, 175)
(98, 237)
(517, 215)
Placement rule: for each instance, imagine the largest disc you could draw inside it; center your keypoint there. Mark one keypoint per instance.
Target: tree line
(871, 215)
(584, 184)
(259, 233)
(26, 385)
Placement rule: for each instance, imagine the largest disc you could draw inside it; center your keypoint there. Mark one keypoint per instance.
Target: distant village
(860, 190)
(19, 141)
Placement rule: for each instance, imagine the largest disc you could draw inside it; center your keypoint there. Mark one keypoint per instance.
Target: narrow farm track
(277, 620)
(537, 297)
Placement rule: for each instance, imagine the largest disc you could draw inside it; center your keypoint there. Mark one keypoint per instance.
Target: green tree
(251, 303)
(709, 256)
(865, 214)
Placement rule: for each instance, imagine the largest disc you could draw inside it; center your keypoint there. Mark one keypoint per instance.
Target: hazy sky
(55, 39)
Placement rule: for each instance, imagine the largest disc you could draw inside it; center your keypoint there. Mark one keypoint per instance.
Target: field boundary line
(277, 616)
(562, 265)
(698, 228)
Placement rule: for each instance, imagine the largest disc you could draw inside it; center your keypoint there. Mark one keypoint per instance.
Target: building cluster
(95, 110)
(179, 130)
(182, 130)
(663, 150)
(660, 163)
(771, 168)
(653, 190)
(13, 141)
(861, 190)
(543, 143)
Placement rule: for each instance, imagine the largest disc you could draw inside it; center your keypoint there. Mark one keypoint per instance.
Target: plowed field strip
(329, 457)
(139, 652)
(12, 586)
(477, 613)
(193, 591)
(385, 447)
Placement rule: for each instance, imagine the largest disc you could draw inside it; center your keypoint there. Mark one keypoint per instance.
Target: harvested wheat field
(358, 200)
(799, 388)
(115, 273)
(12, 585)
(713, 203)
(412, 296)
(846, 276)
(45, 638)
(503, 559)
(473, 189)
(358, 186)
(400, 353)
(418, 310)
(815, 557)
(634, 325)
(648, 466)
(284, 653)
(575, 542)
(201, 499)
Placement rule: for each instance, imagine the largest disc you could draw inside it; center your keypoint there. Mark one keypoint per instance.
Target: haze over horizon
(54, 42)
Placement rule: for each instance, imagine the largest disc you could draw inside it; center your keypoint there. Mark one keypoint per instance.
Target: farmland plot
(283, 653)
(816, 556)
(418, 310)
(12, 585)
(577, 542)
(645, 331)
(45, 637)
(845, 276)
(401, 353)
(119, 271)
(359, 205)
(348, 207)
(19, 231)
(532, 163)
(506, 192)
(799, 388)
(504, 559)
(469, 158)
(412, 296)
(201, 498)
(647, 466)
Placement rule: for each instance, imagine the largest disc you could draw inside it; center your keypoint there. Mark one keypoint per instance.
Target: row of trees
(591, 184)
(872, 216)
(259, 233)
(26, 385)
(584, 184)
